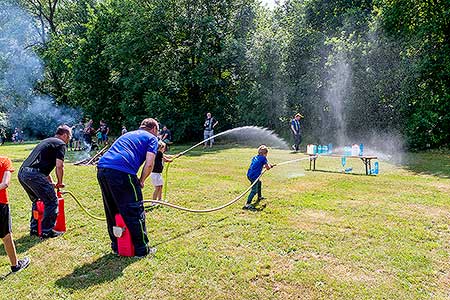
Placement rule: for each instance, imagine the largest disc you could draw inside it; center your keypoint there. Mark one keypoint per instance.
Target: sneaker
(51, 234)
(150, 251)
(261, 198)
(21, 264)
(249, 207)
(293, 147)
(34, 232)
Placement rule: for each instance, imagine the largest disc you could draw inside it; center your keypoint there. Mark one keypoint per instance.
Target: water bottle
(330, 148)
(376, 168)
(348, 170)
(361, 149)
(325, 149)
(347, 151)
(343, 161)
(320, 149)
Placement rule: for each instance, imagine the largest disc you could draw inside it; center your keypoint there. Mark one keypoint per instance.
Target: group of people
(117, 175)
(82, 135)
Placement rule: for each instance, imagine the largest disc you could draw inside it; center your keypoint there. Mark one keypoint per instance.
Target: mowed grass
(319, 235)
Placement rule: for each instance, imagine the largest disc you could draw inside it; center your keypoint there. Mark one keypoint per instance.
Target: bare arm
(167, 158)
(148, 167)
(59, 173)
(268, 166)
(214, 125)
(5, 180)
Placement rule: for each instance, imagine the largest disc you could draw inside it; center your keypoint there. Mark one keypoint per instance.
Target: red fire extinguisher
(38, 214)
(125, 245)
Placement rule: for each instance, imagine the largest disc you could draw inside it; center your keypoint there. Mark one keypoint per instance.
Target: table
(366, 159)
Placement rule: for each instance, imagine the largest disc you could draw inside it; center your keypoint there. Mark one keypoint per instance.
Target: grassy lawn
(319, 235)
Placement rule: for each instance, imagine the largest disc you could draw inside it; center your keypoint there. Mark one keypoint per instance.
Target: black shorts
(5, 220)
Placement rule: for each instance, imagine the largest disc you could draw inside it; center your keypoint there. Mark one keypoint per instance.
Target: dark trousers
(37, 187)
(256, 189)
(122, 194)
(297, 141)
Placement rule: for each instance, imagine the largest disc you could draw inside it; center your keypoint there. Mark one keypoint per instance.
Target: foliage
(355, 69)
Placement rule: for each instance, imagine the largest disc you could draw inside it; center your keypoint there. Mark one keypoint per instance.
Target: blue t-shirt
(129, 151)
(256, 166)
(296, 124)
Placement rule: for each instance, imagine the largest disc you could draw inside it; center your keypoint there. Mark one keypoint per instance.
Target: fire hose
(184, 208)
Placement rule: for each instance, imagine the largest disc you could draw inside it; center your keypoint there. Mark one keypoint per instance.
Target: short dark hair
(149, 123)
(62, 129)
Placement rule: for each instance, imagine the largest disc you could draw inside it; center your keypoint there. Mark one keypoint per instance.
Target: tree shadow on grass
(23, 244)
(106, 268)
(429, 163)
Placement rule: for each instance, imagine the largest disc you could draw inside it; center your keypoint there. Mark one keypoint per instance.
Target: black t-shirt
(209, 123)
(167, 131)
(44, 155)
(158, 166)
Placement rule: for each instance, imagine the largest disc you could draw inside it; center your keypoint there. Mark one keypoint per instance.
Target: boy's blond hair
(263, 150)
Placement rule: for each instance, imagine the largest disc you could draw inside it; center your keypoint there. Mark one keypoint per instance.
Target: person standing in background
(208, 132)
(296, 131)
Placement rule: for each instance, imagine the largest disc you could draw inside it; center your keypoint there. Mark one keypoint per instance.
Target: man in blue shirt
(122, 189)
(254, 170)
(296, 132)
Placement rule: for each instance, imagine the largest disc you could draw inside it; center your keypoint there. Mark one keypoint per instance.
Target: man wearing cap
(296, 132)
(34, 176)
(122, 189)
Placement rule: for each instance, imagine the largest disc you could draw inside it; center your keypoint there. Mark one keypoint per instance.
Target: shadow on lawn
(433, 163)
(23, 244)
(106, 268)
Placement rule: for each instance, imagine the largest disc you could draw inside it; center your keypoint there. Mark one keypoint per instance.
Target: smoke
(20, 69)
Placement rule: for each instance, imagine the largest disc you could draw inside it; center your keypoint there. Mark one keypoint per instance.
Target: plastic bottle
(347, 151)
(355, 150)
(361, 149)
(343, 161)
(330, 148)
(376, 168)
(319, 149)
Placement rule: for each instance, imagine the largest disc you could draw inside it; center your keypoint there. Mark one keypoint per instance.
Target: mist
(20, 70)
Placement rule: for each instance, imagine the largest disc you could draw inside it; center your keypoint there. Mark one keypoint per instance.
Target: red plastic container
(61, 218)
(38, 215)
(125, 245)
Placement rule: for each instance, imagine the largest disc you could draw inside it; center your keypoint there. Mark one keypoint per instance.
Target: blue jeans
(37, 187)
(256, 189)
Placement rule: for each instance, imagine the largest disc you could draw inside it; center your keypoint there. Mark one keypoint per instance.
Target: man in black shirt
(34, 176)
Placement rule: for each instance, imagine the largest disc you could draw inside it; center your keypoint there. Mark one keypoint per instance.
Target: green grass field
(321, 235)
